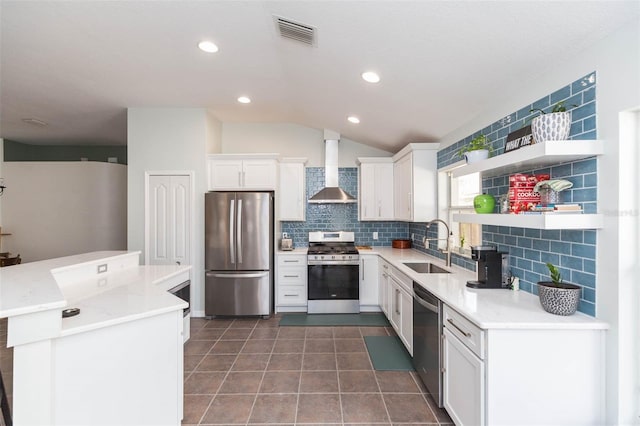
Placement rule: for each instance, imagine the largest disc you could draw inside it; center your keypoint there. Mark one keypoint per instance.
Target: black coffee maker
(491, 267)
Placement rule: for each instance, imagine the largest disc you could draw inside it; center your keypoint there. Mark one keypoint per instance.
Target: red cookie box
(526, 181)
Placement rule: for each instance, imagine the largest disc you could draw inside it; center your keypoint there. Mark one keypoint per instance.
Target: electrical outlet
(413, 236)
(102, 268)
(375, 235)
(285, 235)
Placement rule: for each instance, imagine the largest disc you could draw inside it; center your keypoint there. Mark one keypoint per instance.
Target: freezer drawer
(238, 293)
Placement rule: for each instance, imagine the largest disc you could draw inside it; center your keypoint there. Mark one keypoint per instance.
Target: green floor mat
(388, 353)
(310, 320)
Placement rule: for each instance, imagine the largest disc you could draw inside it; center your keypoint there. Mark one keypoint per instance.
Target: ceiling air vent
(296, 31)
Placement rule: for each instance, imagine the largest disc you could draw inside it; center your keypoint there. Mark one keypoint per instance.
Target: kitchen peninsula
(119, 361)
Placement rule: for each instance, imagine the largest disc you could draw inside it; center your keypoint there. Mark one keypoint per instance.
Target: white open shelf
(535, 221)
(533, 157)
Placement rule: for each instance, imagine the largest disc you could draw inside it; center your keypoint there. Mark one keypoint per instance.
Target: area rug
(387, 353)
(310, 320)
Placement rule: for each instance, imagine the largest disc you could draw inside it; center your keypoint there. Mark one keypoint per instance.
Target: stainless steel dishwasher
(427, 341)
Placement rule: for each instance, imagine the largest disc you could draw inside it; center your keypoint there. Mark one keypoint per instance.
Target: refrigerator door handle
(239, 231)
(232, 211)
(250, 275)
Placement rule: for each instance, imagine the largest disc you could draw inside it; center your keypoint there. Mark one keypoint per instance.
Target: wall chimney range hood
(331, 193)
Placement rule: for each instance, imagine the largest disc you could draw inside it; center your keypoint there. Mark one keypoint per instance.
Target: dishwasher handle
(426, 305)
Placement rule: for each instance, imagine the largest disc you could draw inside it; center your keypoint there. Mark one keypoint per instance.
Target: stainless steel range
(333, 273)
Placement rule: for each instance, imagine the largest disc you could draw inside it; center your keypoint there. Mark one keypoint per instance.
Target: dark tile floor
(250, 371)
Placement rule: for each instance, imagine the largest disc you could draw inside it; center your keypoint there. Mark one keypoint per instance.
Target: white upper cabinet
(251, 172)
(415, 182)
(376, 188)
(291, 190)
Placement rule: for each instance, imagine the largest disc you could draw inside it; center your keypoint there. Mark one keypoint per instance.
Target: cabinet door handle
(292, 276)
(291, 295)
(240, 179)
(443, 340)
(362, 269)
(397, 302)
(379, 211)
(290, 261)
(465, 333)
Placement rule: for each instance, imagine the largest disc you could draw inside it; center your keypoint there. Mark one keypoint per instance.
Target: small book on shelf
(568, 207)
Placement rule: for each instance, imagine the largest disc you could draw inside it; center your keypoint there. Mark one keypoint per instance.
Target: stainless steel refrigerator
(238, 253)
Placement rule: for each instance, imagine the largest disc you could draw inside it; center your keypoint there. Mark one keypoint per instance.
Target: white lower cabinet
(291, 282)
(463, 388)
(384, 269)
(522, 376)
(369, 283)
(400, 306)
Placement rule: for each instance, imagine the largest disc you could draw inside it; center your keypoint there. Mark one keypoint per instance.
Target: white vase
(551, 127)
(477, 155)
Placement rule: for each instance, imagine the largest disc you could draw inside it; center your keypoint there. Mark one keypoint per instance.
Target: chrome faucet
(447, 251)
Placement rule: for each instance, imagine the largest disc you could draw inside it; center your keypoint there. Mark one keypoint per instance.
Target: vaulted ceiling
(78, 65)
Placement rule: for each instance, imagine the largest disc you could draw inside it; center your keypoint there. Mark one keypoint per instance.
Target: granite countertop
(487, 308)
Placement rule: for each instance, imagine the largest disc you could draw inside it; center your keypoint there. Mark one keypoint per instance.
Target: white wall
(214, 134)
(616, 61)
(291, 140)
(55, 209)
(170, 139)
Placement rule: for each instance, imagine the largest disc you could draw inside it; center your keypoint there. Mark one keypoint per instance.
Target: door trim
(147, 176)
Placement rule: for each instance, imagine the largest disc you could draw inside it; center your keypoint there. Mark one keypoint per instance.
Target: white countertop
(123, 296)
(487, 308)
(120, 295)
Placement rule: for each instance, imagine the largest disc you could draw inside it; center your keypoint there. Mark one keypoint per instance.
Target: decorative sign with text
(518, 139)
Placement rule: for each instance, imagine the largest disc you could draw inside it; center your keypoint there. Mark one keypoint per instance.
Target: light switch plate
(375, 235)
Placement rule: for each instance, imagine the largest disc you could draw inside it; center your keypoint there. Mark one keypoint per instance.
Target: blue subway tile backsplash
(529, 249)
(341, 217)
(573, 251)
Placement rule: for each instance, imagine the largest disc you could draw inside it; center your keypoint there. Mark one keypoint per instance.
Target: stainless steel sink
(426, 268)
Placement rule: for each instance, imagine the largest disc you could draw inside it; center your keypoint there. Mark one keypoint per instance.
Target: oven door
(333, 282)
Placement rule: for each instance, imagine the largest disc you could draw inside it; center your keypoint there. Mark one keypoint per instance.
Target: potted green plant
(478, 149)
(552, 126)
(461, 248)
(556, 296)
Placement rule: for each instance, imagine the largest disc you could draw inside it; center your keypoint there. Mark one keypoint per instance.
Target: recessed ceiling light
(35, 122)
(370, 77)
(353, 119)
(208, 46)
(244, 100)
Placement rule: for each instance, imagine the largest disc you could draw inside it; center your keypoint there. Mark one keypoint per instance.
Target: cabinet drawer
(469, 334)
(403, 280)
(292, 275)
(292, 260)
(292, 295)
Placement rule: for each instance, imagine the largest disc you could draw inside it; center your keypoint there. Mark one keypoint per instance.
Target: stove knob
(333, 257)
(321, 257)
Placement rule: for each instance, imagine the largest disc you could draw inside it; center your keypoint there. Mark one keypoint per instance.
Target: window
(459, 199)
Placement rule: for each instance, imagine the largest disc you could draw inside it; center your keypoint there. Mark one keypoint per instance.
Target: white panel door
(169, 219)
